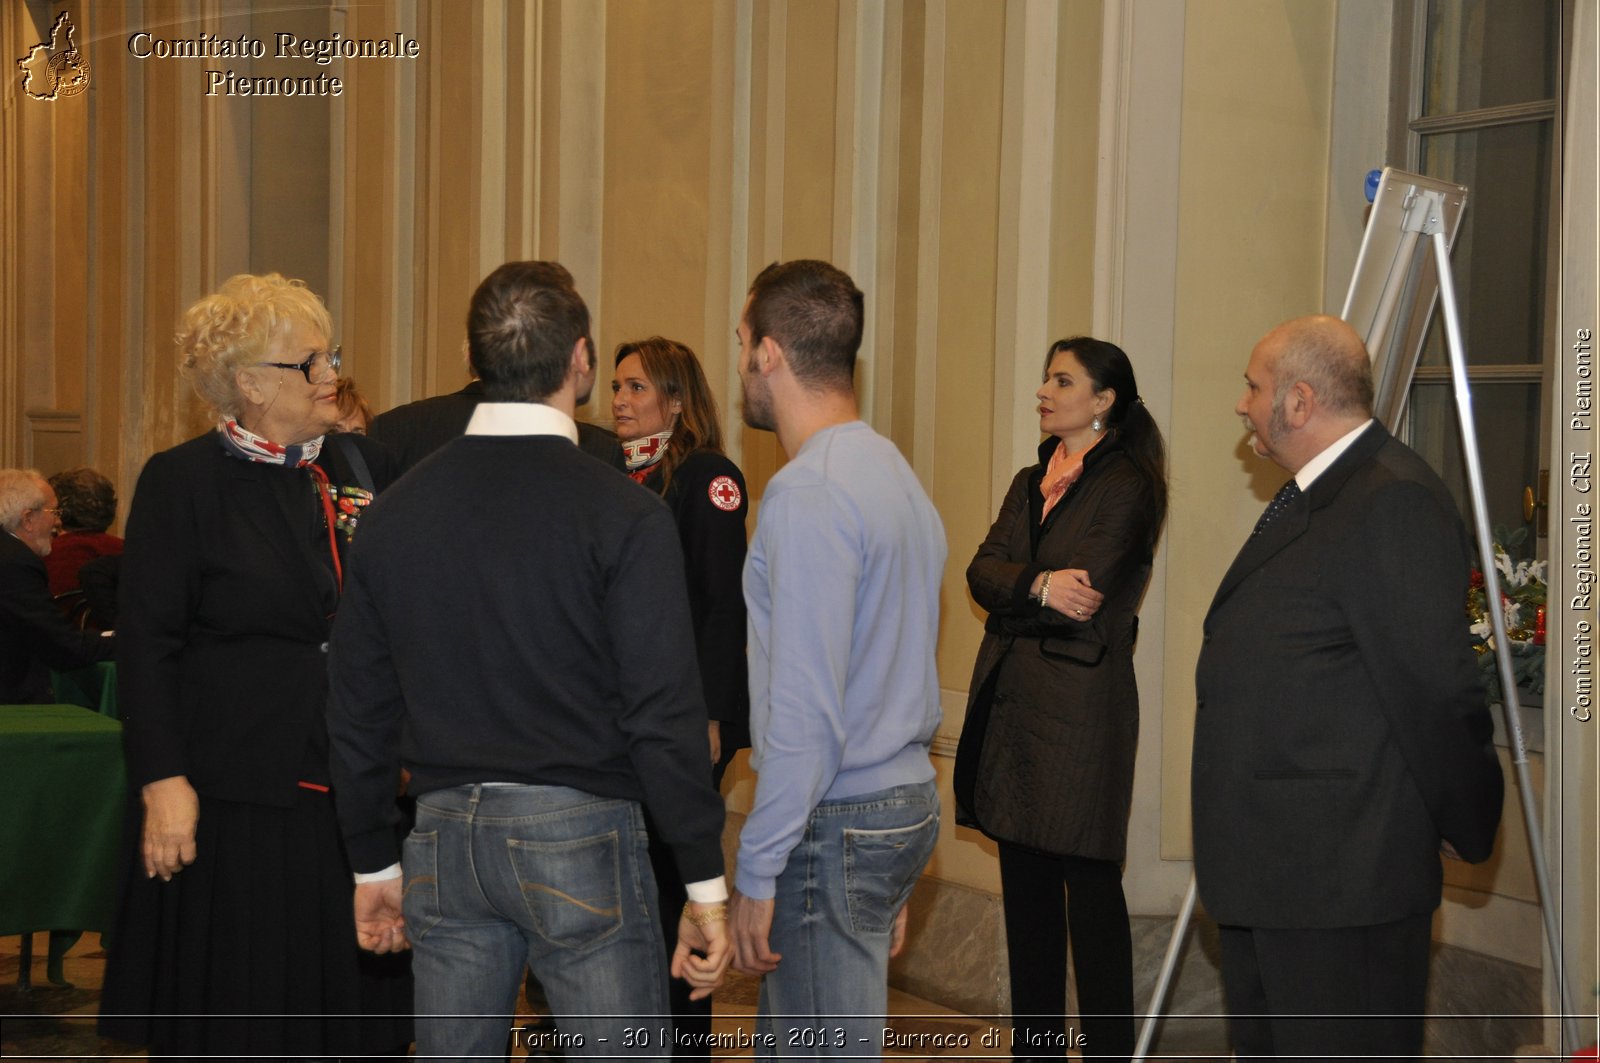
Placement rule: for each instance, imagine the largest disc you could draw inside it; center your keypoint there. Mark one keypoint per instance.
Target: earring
(1095, 424)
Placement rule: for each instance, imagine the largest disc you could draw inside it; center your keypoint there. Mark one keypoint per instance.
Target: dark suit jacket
(417, 429)
(226, 606)
(34, 635)
(1340, 728)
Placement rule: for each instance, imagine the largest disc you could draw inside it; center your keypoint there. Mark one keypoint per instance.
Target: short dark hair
(87, 499)
(815, 312)
(521, 327)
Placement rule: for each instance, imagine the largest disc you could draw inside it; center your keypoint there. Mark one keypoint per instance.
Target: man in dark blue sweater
(515, 632)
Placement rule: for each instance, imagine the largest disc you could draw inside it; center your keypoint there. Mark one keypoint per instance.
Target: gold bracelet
(1044, 590)
(718, 913)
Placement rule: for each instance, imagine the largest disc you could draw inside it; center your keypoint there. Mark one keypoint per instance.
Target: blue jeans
(502, 877)
(833, 916)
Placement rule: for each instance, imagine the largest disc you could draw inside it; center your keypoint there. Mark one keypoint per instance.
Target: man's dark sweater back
(523, 610)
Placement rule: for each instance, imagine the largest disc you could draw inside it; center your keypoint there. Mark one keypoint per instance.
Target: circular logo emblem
(725, 494)
(69, 72)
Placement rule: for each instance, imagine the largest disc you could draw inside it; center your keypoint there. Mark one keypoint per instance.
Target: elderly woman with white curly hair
(235, 935)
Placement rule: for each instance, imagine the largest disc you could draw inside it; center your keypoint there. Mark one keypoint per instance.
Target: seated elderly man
(34, 636)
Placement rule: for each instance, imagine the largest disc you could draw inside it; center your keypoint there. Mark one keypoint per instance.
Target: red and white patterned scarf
(642, 453)
(240, 442)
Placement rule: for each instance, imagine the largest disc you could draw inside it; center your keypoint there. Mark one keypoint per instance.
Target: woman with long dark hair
(1045, 764)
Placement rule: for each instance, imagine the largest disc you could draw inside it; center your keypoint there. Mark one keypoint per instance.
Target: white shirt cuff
(363, 877)
(709, 891)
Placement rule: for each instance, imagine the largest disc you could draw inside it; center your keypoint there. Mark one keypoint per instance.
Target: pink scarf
(1062, 472)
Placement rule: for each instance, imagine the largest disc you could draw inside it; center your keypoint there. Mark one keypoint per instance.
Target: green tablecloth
(94, 687)
(62, 789)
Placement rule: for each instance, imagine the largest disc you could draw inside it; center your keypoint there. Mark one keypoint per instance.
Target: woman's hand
(1071, 595)
(171, 810)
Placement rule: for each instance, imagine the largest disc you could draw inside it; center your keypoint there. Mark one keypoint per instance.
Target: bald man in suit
(1342, 739)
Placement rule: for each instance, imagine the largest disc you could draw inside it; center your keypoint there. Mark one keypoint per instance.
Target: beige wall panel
(451, 263)
(11, 23)
(289, 144)
(495, 136)
(55, 440)
(581, 131)
(961, 855)
(109, 287)
(901, 401)
(170, 251)
(371, 221)
(1072, 217)
(227, 209)
(759, 451)
(882, 183)
(810, 113)
(549, 106)
(765, 120)
(963, 407)
(522, 130)
(35, 221)
(1251, 209)
(69, 350)
(415, 129)
(727, 224)
(657, 181)
(1022, 288)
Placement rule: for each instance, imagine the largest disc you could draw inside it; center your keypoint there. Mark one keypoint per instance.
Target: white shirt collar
(521, 419)
(1330, 454)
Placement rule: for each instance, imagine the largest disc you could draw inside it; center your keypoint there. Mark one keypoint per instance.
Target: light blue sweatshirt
(842, 583)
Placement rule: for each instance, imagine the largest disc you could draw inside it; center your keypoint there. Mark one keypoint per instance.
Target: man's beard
(1278, 423)
(756, 404)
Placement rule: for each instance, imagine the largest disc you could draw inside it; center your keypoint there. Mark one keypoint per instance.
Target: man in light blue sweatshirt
(842, 583)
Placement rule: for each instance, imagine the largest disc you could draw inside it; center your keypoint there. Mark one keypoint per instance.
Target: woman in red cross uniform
(672, 439)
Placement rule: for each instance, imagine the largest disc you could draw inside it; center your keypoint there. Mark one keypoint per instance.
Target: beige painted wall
(983, 169)
(1251, 202)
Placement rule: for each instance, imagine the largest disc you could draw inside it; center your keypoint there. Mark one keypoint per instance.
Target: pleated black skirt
(251, 950)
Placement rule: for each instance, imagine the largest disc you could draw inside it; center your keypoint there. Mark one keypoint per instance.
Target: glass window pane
(1487, 53)
(1501, 251)
(1507, 420)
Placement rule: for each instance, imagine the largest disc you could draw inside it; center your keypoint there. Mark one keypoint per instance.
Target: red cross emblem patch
(725, 494)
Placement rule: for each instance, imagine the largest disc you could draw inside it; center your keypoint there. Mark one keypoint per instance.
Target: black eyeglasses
(330, 358)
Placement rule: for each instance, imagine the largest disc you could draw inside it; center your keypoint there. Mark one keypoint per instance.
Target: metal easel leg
(1169, 967)
(1502, 644)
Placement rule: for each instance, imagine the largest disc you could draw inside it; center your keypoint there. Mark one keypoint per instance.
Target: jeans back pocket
(880, 867)
(572, 888)
(420, 902)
